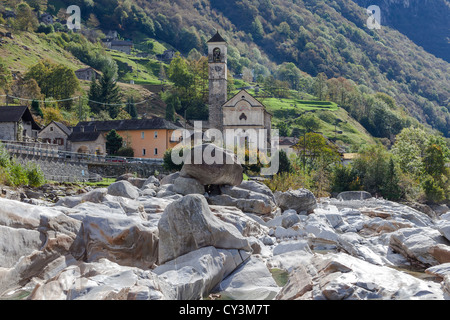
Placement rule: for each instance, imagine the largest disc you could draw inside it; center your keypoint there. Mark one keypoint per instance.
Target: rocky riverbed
(155, 239)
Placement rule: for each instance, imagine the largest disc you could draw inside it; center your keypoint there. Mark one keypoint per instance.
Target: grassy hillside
(27, 48)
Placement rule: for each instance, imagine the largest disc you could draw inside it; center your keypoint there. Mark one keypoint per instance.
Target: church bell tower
(217, 61)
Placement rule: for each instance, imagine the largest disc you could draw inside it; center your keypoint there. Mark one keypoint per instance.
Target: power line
(74, 98)
(44, 101)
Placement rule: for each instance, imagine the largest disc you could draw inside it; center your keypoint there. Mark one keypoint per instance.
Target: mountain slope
(318, 36)
(425, 22)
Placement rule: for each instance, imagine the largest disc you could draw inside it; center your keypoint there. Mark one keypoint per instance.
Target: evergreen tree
(105, 95)
(170, 111)
(390, 188)
(285, 163)
(131, 108)
(113, 142)
(257, 29)
(36, 108)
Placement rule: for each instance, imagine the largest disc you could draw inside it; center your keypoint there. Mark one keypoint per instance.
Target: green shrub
(434, 192)
(345, 178)
(4, 157)
(125, 152)
(17, 174)
(35, 175)
(168, 163)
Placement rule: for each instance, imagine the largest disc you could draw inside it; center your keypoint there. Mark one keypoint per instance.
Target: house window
(51, 128)
(143, 152)
(156, 151)
(156, 134)
(58, 141)
(142, 135)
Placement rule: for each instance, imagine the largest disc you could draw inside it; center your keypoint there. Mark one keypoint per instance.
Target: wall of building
(125, 49)
(7, 131)
(145, 139)
(90, 147)
(51, 135)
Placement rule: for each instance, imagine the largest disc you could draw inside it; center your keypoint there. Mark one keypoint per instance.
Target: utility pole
(80, 108)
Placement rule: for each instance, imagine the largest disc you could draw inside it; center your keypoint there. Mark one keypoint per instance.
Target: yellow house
(149, 138)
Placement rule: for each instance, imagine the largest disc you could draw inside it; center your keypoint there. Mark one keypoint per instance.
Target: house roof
(62, 126)
(84, 136)
(288, 141)
(121, 43)
(216, 38)
(86, 69)
(126, 125)
(16, 113)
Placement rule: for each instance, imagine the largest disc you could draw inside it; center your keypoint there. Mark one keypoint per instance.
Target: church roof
(217, 38)
(249, 98)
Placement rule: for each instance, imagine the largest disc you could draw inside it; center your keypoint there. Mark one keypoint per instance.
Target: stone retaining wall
(142, 170)
(60, 170)
(65, 170)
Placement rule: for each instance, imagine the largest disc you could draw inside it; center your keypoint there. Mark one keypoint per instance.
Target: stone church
(241, 111)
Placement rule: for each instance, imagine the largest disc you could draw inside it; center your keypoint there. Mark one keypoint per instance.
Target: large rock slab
(193, 275)
(257, 187)
(116, 236)
(188, 224)
(246, 225)
(31, 238)
(210, 164)
(123, 188)
(102, 280)
(299, 200)
(343, 277)
(354, 195)
(415, 244)
(251, 281)
(187, 186)
(256, 206)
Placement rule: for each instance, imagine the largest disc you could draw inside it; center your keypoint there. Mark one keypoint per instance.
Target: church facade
(242, 111)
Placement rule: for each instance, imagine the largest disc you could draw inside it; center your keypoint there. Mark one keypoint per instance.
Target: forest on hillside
(329, 37)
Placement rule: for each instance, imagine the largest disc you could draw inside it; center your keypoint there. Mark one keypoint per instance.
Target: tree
(131, 108)
(113, 142)
(320, 86)
(434, 161)
(179, 74)
(105, 95)
(37, 5)
(5, 75)
(408, 150)
(257, 29)
(25, 18)
(290, 73)
(54, 80)
(170, 111)
(390, 188)
(285, 163)
(316, 152)
(36, 108)
(309, 121)
(283, 128)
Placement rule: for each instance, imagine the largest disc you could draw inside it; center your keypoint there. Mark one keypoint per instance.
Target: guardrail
(72, 156)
